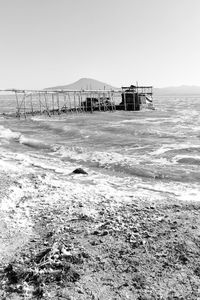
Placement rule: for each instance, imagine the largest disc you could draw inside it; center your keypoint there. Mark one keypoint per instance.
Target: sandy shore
(74, 236)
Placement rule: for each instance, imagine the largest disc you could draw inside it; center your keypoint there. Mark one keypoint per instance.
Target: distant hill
(178, 90)
(85, 84)
(92, 84)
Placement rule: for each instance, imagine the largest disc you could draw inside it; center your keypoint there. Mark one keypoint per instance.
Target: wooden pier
(56, 102)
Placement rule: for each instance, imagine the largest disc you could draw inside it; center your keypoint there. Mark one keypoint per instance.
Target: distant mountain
(92, 84)
(85, 84)
(178, 90)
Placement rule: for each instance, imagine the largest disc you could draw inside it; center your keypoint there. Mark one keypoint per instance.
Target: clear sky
(53, 42)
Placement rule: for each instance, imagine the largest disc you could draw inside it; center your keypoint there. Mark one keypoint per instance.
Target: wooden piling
(82, 104)
(111, 103)
(24, 101)
(91, 103)
(86, 104)
(70, 105)
(17, 108)
(31, 101)
(79, 101)
(104, 102)
(99, 101)
(75, 107)
(58, 103)
(40, 105)
(125, 106)
(53, 105)
(65, 103)
(46, 105)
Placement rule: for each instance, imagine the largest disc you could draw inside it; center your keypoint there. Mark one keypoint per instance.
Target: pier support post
(18, 107)
(53, 105)
(65, 103)
(91, 103)
(79, 101)
(31, 100)
(40, 105)
(75, 106)
(125, 106)
(46, 105)
(133, 101)
(69, 99)
(24, 101)
(99, 101)
(58, 103)
(104, 103)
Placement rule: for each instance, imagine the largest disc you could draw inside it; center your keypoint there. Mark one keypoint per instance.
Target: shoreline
(101, 241)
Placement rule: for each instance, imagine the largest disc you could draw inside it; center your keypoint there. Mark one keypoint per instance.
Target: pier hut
(135, 98)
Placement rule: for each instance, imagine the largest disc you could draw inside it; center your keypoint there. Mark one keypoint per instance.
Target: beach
(126, 229)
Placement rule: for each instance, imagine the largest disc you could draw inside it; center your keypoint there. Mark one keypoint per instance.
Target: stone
(79, 171)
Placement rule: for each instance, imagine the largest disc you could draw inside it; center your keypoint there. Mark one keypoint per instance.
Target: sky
(45, 43)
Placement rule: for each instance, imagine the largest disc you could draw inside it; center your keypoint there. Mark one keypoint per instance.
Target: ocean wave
(172, 149)
(188, 160)
(7, 134)
(59, 127)
(139, 166)
(37, 144)
(143, 166)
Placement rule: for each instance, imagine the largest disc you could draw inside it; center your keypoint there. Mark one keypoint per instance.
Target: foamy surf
(7, 134)
(33, 143)
(139, 166)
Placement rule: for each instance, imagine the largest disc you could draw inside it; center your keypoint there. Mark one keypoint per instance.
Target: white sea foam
(165, 148)
(161, 150)
(189, 195)
(33, 143)
(10, 166)
(7, 134)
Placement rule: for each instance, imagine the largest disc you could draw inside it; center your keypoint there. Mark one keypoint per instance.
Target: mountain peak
(85, 84)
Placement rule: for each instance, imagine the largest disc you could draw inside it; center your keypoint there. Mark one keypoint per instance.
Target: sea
(146, 151)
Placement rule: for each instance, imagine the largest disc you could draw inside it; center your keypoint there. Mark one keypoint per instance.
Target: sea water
(156, 150)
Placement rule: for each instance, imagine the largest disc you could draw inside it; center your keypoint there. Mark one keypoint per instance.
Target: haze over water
(150, 151)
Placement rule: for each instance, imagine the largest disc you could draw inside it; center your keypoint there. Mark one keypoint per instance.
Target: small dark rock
(139, 281)
(79, 171)
(85, 255)
(49, 234)
(197, 271)
(105, 232)
(146, 234)
(96, 232)
(134, 229)
(94, 243)
(11, 274)
(38, 292)
(41, 254)
(183, 258)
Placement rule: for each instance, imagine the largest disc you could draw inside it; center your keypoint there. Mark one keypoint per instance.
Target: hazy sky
(55, 42)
